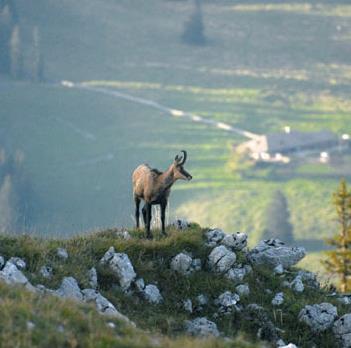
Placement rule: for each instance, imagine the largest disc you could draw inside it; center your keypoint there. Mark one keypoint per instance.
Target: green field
(264, 66)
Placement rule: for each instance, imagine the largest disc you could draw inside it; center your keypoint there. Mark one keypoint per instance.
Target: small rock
(62, 253)
(345, 300)
(139, 284)
(318, 317)
(30, 325)
(46, 272)
(123, 235)
(111, 325)
(2, 262)
(92, 277)
(342, 330)
(152, 294)
(309, 278)
(188, 305)
(297, 285)
(181, 224)
(227, 302)
(243, 290)
(278, 299)
(214, 236)
(120, 264)
(202, 300)
(221, 259)
(236, 241)
(273, 252)
(236, 274)
(280, 343)
(182, 263)
(196, 265)
(10, 274)
(290, 345)
(69, 288)
(18, 262)
(278, 269)
(201, 327)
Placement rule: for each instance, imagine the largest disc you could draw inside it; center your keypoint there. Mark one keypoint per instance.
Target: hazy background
(68, 153)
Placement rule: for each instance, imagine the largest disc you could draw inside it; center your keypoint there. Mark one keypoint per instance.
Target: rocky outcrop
(237, 274)
(273, 252)
(221, 259)
(152, 294)
(11, 275)
(342, 330)
(201, 327)
(18, 262)
(120, 264)
(318, 317)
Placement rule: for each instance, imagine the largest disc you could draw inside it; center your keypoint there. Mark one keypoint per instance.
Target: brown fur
(154, 187)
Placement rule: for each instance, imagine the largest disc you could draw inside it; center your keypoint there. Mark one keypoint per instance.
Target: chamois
(154, 187)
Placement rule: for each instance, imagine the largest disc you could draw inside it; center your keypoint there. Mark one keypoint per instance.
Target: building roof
(289, 141)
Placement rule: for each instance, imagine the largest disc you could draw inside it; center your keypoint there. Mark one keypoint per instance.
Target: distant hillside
(263, 66)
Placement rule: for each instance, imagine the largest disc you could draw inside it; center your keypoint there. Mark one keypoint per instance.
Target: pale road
(168, 110)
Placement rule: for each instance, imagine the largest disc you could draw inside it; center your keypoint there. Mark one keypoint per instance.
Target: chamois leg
(163, 215)
(144, 215)
(148, 220)
(137, 212)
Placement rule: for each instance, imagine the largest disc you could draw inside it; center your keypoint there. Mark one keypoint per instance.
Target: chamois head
(178, 168)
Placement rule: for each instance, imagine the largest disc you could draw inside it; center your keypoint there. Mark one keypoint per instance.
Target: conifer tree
(16, 58)
(339, 260)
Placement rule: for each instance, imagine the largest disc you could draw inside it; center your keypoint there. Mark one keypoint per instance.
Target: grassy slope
(151, 261)
(259, 71)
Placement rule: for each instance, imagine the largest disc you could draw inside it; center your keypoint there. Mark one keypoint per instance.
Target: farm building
(277, 147)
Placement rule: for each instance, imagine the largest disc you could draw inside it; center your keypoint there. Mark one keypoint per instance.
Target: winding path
(168, 110)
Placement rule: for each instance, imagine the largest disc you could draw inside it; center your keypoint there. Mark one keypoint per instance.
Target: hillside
(156, 304)
(264, 66)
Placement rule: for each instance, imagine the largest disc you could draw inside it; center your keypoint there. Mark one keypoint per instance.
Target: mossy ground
(151, 259)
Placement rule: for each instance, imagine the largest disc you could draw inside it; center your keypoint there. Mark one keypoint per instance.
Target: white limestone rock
(69, 288)
(342, 330)
(46, 272)
(180, 224)
(227, 302)
(62, 253)
(221, 259)
(182, 263)
(139, 284)
(202, 300)
(297, 285)
(278, 299)
(214, 236)
(201, 327)
(278, 269)
(235, 241)
(92, 277)
(236, 274)
(243, 290)
(152, 294)
(11, 275)
(2, 262)
(272, 252)
(120, 264)
(18, 262)
(123, 235)
(188, 305)
(103, 305)
(318, 317)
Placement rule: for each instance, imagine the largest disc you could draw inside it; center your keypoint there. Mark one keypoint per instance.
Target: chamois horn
(184, 157)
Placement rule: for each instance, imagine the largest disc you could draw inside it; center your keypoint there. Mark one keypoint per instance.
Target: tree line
(21, 54)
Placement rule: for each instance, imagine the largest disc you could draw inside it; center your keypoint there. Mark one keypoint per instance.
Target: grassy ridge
(151, 260)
